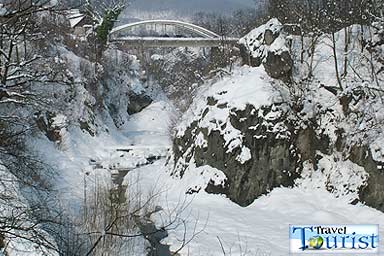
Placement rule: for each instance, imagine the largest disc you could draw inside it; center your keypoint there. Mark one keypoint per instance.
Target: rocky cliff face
(261, 147)
(111, 90)
(258, 147)
(266, 159)
(122, 90)
(270, 146)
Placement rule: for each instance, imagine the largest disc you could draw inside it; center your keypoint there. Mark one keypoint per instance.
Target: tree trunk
(313, 49)
(336, 62)
(346, 49)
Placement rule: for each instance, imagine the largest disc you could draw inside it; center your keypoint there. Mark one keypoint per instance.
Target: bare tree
(118, 218)
(24, 73)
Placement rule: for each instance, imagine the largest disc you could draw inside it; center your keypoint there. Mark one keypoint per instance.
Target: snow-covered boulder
(267, 45)
(137, 102)
(244, 127)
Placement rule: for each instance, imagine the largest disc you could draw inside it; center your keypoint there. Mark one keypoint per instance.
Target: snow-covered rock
(267, 45)
(244, 127)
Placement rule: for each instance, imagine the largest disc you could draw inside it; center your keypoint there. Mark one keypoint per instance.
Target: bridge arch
(204, 33)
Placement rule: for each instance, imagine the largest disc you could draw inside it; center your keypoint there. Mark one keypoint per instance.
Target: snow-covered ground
(212, 222)
(259, 229)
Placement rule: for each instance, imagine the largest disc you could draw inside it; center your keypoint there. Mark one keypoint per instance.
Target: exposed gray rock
(137, 102)
(276, 155)
(279, 65)
(248, 59)
(372, 194)
(270, 36)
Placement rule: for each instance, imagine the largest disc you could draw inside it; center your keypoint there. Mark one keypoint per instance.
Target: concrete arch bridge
(167, 33)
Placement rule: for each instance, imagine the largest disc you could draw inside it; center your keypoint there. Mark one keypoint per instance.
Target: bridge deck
(152, 42)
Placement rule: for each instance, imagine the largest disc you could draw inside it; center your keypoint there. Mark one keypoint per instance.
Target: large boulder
(246, 130)
(267, 157)
(137, 102)
(267, 45)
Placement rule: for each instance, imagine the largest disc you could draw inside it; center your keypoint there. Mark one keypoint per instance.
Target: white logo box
(318, 239)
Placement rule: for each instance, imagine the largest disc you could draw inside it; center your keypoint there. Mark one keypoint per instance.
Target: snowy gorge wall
(47, 129)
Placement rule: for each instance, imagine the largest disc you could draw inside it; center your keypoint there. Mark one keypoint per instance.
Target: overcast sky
(145, 9)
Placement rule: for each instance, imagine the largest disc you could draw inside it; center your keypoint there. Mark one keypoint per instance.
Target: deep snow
(259, 229)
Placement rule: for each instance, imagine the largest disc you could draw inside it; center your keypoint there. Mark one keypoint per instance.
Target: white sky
(184, 7)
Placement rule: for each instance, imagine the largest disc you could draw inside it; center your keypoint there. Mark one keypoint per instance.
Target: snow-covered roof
(76, 20)
(75, 17)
